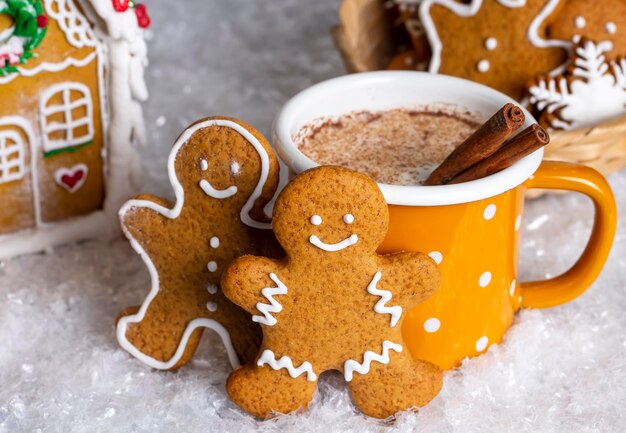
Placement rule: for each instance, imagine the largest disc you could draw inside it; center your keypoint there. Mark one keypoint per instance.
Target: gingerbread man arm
(411, 278)
(138, 218)
(250, 281)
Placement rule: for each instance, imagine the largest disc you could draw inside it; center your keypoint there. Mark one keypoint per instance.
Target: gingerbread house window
(66, 116)
(11, 156)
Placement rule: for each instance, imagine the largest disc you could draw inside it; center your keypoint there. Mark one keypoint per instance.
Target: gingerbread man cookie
(333, 303)
(223, 173)
(500, 43)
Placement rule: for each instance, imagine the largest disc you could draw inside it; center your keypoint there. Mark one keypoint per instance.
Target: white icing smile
(217, 193)
(351, 240)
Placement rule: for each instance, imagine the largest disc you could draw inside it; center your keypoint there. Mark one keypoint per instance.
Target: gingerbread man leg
(389, 388)
(254, 390)
(163, 338)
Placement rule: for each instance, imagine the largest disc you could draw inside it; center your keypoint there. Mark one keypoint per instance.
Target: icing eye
(204, 165)
(348, 218)
(316, 220)
(235, 168)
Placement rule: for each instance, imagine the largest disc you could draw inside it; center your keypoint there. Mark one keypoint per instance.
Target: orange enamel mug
(472, 230)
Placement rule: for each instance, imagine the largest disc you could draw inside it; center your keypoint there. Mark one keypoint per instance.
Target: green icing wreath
(18, 42)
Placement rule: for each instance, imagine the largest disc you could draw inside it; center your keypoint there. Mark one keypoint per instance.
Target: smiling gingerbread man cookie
(333, 303)
(223, 173)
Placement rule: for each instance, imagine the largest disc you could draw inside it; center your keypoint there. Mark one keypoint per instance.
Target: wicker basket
(364, 45)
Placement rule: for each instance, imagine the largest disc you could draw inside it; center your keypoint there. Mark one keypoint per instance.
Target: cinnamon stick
(481, 144)
(520, 146)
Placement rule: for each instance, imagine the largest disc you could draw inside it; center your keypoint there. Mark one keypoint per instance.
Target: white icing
(491, 44)
(204, 165)
(235, 168)
(212, 288)
(12, 156)
(274, 306)
(212, 266)
(49, 67)
(512, 3)
(483, 66)
(173, 213)
(217, 193)
(75, 26)
(580, 22)
(72, 171)
(349, 241)
(214, 242)
(348, 218)
(610, 27)
(211, 306)
(351, 366)
(593, 96)
(316, 220)
(385, 296)
(469, 10)
(268, 358)
(67, 107)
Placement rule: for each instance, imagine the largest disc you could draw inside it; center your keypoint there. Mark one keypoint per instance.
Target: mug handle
(571, 284)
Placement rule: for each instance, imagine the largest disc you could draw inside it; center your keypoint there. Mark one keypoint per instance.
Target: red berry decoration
(121, 5)
(42, 21)
(143, 19)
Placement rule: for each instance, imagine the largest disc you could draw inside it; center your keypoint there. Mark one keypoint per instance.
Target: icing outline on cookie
(385, 296)
(268, 358)
(274, 306)
(350, 366)
(217, 193)
(173, 213)
(471, 9)
(347, 242)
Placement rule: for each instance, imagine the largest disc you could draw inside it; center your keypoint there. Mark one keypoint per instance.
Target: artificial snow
(61, 369)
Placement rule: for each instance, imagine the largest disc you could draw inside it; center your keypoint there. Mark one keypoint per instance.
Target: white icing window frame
(18, 147)
(69, 124)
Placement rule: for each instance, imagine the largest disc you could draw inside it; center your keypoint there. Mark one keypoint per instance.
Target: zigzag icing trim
(268, 358)
(273, 306)
(385, 296)
(351, 365)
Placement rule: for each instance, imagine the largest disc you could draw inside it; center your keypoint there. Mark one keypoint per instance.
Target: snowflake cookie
(590, 91)
(333, 303)
(223, 173)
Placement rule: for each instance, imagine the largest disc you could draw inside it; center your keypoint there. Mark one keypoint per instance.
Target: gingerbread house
(71, 82)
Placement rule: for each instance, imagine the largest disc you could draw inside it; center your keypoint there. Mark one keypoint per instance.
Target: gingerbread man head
(222, 170)
(343, 215)
(333, 303)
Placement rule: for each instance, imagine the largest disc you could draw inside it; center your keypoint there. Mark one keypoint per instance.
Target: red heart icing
(70, 180)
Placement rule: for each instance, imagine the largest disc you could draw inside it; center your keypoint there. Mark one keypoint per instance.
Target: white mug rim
(405, 195)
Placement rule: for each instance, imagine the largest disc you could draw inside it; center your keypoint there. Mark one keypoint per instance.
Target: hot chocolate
(398, 146)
